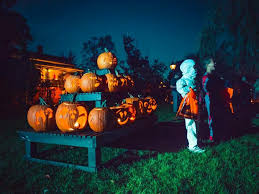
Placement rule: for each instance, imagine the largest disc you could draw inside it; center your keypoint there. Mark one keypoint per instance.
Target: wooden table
(87, 139)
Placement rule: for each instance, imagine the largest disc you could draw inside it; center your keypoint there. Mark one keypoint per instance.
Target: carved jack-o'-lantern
(121, 114)
(138, 104)
(112, 82)
(98, 119)
(90, 82)
(106, 60)
(71, 117)
(72, 84)
(130, 81)
(131, 110)
(41, 118)
(152, 104)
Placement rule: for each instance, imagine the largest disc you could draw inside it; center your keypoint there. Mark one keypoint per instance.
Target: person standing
(186, 86)
(216, 100)
(175, 94)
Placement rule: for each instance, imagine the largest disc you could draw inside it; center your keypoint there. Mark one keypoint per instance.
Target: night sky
(163, 30)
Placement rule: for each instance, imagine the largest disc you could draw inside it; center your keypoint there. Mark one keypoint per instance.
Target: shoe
(196, 149)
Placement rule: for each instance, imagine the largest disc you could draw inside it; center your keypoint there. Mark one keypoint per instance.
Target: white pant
(191, 132)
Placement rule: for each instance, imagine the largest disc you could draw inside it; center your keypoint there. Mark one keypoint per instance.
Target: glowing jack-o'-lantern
(152, 104)
(98, 119)
(71, 117)
(41, 118)
(72, 84)
(131, 111)
(121, 114)
(130, 81)
(106, 60)
(90, 82)
(112, 82)
(138, 104)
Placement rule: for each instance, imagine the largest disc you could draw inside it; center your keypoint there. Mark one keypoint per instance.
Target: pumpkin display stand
(89, 139)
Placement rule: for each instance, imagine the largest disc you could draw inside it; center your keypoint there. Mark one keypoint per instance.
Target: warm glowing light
(76, 124)
(173, 66)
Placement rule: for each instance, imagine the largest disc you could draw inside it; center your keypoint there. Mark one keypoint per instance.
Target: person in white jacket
(183, 86)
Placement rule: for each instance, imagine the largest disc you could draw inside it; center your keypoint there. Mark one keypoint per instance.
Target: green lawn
(230, 167)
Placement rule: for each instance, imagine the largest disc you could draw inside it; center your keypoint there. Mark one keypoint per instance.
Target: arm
(181, 87)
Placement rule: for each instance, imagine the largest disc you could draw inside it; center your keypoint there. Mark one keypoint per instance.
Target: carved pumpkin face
(121, 114)
(138, 105)
(72, 84)
(106, 60)
(41, 118)
(90, 82)
(130, 81)
(71, 117)
(113, 82)
(131, 111)
(152, 102)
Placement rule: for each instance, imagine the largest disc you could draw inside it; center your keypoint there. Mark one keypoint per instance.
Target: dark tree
(230, 35)
(143, 73)
(19, 76)
(93, 48)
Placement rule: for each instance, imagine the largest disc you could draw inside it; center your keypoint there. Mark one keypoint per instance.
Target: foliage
(20, 76)
(140, 67)
(230, 35)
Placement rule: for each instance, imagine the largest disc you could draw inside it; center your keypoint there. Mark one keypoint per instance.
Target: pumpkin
(72, 84)
(112, 82)
(98, 119)
(106, 60)
(138, 104)
(130, 82)
(121, 114)
(71, 117)
(90, 82)
(152, 104)
(41, 118)
(131, 110)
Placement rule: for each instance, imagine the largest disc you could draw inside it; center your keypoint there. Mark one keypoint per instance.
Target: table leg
(30, 149)
(94, 157)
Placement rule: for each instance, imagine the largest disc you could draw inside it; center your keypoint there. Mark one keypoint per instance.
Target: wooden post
(94, 157)
(30, 149)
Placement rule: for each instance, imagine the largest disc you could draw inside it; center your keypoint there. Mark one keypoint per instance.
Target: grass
(229, 167)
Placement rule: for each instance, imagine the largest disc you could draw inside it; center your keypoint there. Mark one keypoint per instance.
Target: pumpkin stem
(106, 50)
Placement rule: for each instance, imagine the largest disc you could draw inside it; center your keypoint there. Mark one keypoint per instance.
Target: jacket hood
(187, 68)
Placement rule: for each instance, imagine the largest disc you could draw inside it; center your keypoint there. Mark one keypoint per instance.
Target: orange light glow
(173, 66)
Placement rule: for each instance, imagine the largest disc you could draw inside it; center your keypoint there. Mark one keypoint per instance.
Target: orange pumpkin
(152, 104)
(71, 117)
(138, 104)
(90, 82)
(98, 119)
(131, 110)
(121, 114)
(112, 82)
(41, 118)
(106, 60)
(72, 84)
(130, 81)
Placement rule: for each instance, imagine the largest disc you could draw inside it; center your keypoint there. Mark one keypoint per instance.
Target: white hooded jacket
(187, 80)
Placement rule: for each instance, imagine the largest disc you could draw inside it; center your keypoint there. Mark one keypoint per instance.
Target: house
(53, 70)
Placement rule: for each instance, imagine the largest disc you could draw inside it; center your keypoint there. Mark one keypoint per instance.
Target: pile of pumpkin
(71, 117)
(90, 82)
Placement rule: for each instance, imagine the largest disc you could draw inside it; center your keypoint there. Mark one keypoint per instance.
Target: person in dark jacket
(215, 101)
